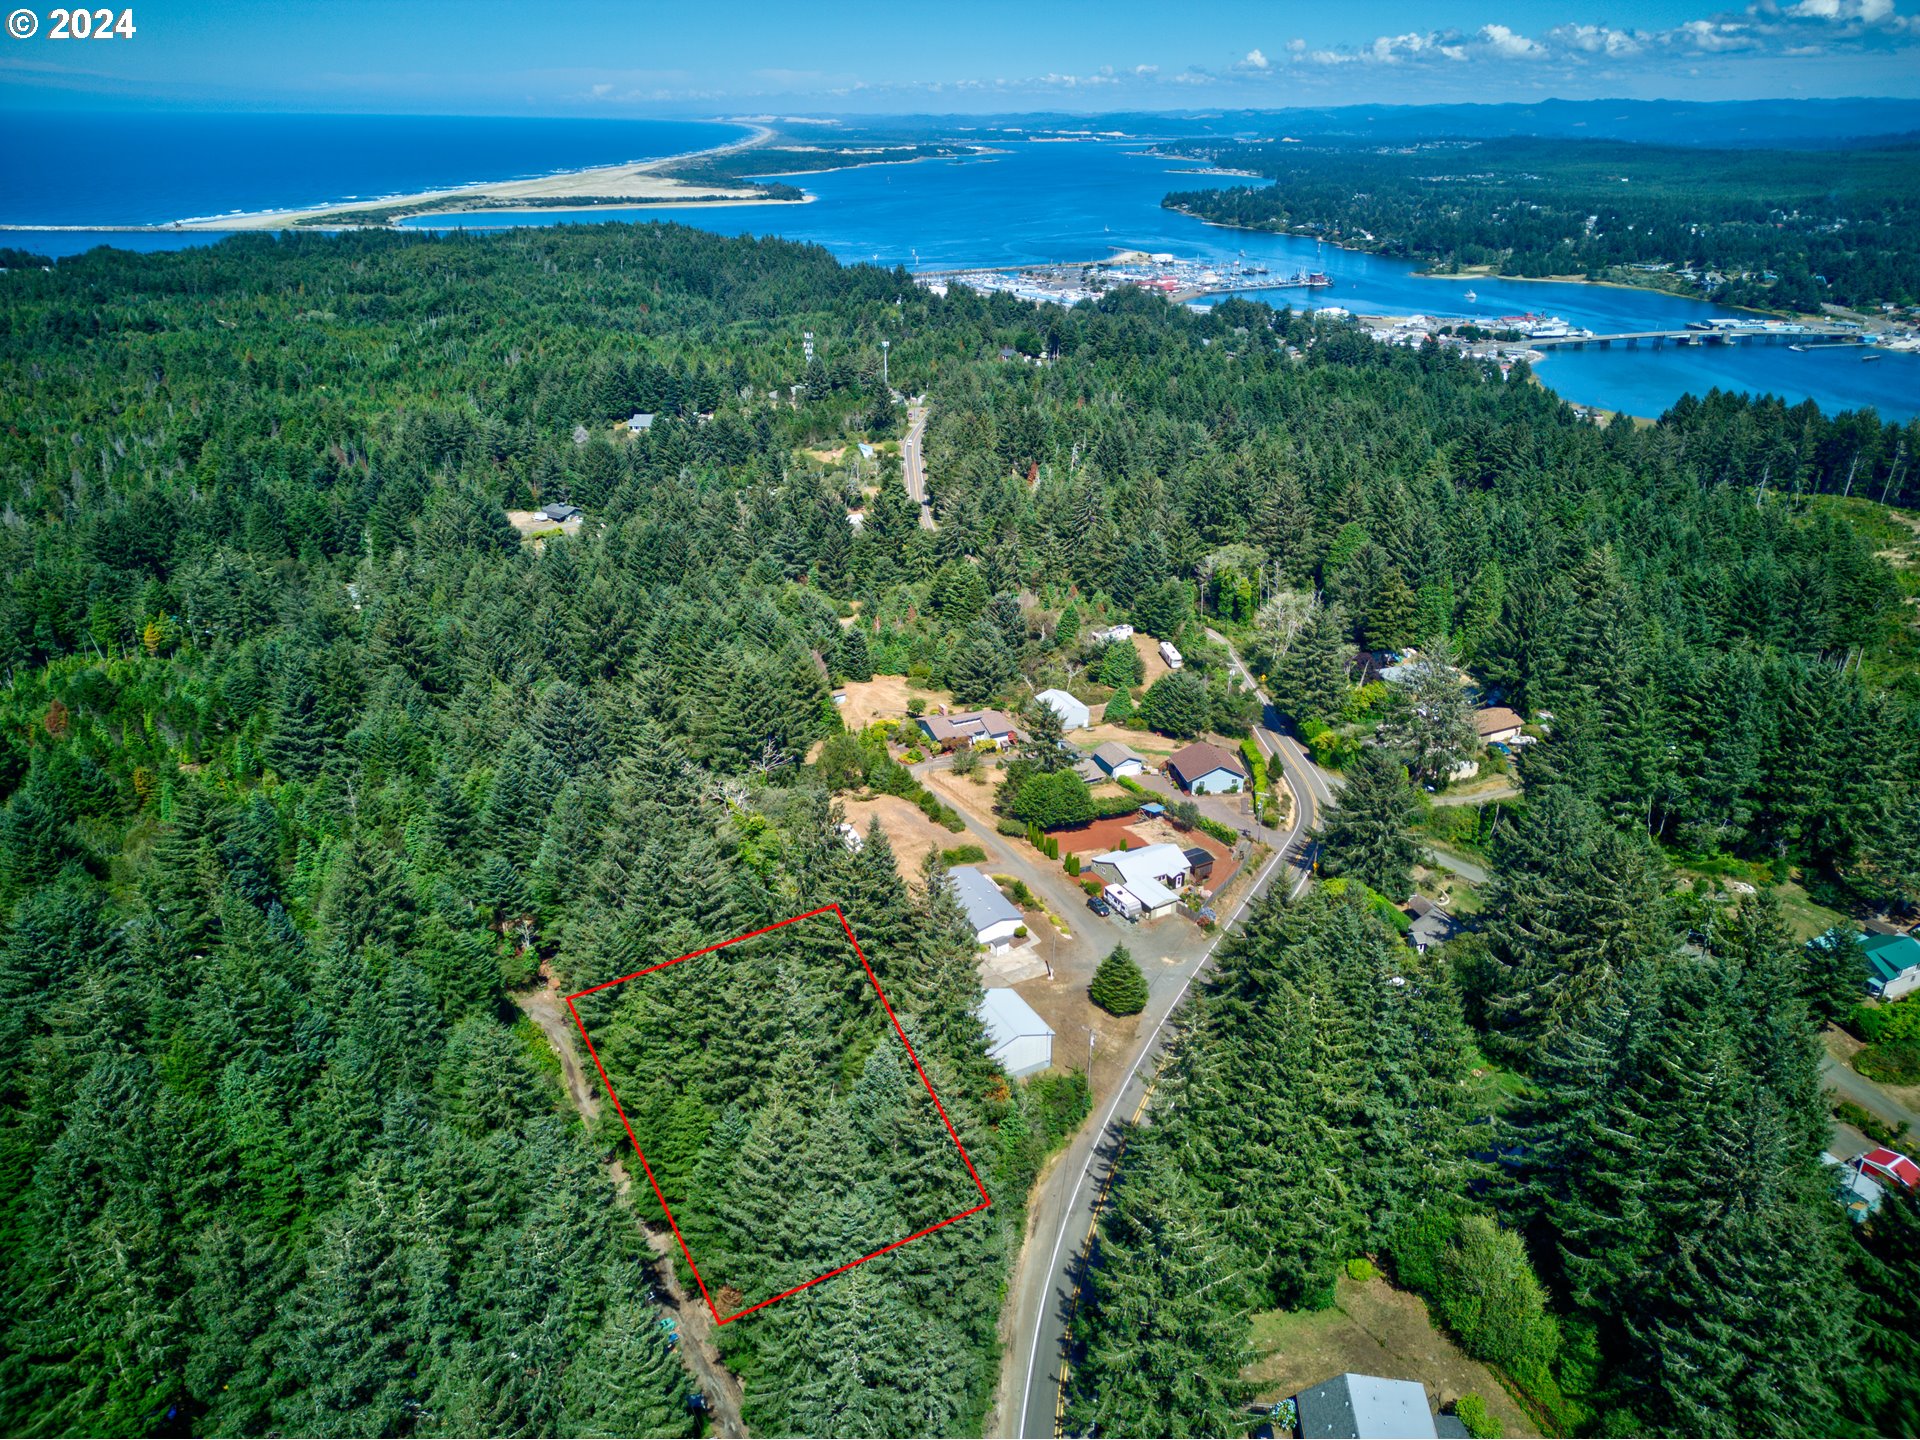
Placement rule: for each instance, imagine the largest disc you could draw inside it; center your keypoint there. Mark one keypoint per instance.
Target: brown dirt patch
(1064, 1005)
(1149, 648)
(884, 698)
(910, 833)
(1373, 1329)
(531, 523)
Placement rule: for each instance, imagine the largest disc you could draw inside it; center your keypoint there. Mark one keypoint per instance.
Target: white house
(1152, 874)
(1073, 714)
(641, 421)
(1365, 1407)
(1117, 760)
(992, 916)
(1113, 633)
(1017, 1038)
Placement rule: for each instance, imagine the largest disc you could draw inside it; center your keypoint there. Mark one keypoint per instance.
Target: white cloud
(1595, 39)
(1254, 61)
(1506, 43)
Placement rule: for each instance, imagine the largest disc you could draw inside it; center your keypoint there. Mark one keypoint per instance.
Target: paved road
(913, 463)
(1850, 1084)
(1046, 1276)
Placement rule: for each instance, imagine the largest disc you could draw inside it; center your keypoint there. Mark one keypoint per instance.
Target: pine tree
(1368, 835)
(1118, 986)
(1309, 682)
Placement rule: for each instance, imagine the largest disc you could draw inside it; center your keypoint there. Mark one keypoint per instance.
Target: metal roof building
(1356, 1407)
(1017, 1037)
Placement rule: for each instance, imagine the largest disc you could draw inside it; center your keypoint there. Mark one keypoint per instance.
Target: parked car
(1098, 904)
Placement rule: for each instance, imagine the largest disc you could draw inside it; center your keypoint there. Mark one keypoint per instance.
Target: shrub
(1092, 884)
(1877, 1024)
(1471, 1411)
(1057, 1104)
(1072, 863)
(966, 761)
(916, 706)
(1488, 1296)
(1332, 751)
(1223, 833)
(1053, 801)
(1118, 986)
(1360, 1268)
(1131, 785)
(1009, 827)
(1019, 932)
(1892, 1062)
(1017, 891)
(1112, 807)
(1868, 1124)
(1416, 1244)
(964, 855)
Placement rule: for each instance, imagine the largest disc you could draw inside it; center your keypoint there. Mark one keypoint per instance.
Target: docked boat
(1471, 297)
(1868, 359)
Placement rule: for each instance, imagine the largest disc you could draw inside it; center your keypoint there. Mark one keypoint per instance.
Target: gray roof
(1008, 1017)
(1113, 754)
(1354, 1407)
(980, 899)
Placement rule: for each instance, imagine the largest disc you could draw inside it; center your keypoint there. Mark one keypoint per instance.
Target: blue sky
(638, 57)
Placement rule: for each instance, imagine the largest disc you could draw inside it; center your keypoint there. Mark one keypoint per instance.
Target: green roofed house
(1893, 965)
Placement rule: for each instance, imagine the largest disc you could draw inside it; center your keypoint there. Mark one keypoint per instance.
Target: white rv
(1170, 655)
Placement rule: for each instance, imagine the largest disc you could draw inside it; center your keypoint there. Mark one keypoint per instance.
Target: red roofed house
(1889, 1165)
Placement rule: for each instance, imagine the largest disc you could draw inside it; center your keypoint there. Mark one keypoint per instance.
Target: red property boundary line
(667, 1210)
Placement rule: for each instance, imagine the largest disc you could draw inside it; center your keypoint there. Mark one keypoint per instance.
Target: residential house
(559, 512)
(1497, 725)
(1017, 1038)
(1116, 760)
(1153, 875)
(640, 421)
(992, 916)
(1893, 965)
(1356, 1407)
(1888, 1167)
(1073, 714)
(1431, 924)
(1204, 768)
(968, 726)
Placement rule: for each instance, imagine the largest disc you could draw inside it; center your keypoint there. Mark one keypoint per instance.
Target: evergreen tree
(1118, 986)
(1367, 836)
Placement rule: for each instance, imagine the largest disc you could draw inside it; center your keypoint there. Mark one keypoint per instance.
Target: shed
(641, 421)
(1353, 1407)
(991, 915)
(1204, 768)
(1199, 863)
(1116, 759)
(1017, 1038)
(1073, 714)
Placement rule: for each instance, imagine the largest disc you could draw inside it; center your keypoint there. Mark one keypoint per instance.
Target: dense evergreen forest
(311, 759)
(1786, 229)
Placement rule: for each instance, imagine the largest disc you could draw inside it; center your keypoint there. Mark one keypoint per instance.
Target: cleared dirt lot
(885, 698)
(1373, 1329)
(1152, 748)
(910, 833)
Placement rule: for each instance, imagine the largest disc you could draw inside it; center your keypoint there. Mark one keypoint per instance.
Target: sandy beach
(641, 182)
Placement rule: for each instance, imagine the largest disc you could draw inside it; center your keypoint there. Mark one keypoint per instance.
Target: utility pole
(884, 344)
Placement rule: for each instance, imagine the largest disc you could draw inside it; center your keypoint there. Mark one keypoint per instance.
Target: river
(1038, 201)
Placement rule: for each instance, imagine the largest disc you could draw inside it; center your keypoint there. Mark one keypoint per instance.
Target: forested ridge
(1785, 229)
(310, 759)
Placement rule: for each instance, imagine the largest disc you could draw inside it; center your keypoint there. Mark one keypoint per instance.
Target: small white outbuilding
(1017, 1038)
(1073, 714)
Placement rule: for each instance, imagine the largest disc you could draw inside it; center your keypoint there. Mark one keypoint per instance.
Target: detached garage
(1017, 1038)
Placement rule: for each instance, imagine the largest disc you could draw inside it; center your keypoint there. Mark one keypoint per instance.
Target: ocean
(92, 169)
(1029, 201)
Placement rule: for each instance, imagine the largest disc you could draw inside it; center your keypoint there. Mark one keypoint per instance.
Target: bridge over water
(1728, 335)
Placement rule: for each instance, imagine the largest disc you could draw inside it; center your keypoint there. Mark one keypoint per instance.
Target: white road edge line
(1040, 1320)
